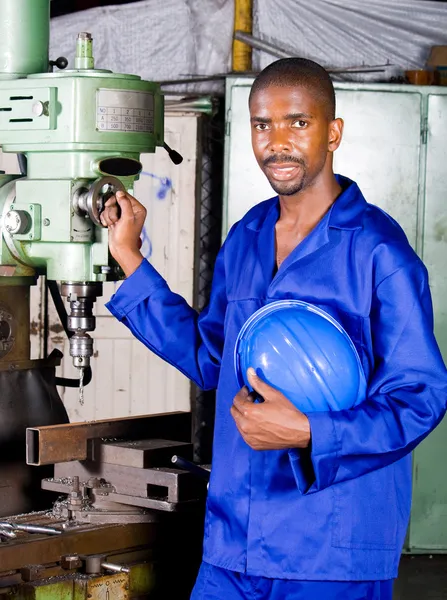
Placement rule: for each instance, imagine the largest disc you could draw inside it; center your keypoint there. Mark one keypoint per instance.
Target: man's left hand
(274, 424)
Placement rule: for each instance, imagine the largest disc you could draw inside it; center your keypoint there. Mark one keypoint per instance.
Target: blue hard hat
(304, 353)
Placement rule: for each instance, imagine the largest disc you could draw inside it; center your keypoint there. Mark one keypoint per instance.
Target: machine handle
(182, 463)
(175, 156)
(91, 201)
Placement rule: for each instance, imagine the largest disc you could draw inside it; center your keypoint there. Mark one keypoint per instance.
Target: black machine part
(28, 398)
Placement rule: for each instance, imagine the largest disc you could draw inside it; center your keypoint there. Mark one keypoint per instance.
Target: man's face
(291, 136)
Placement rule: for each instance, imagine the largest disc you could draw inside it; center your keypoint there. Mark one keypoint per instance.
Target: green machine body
(79, 134)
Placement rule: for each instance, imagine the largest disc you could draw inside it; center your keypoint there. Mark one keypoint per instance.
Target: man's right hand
(124, 230)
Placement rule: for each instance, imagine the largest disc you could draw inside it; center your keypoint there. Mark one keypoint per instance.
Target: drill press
(125, 513)
(78, 135)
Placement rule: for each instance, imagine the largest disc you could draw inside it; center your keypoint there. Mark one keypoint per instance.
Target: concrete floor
(422, 578)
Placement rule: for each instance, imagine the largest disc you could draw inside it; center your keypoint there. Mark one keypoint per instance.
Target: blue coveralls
(339, 511)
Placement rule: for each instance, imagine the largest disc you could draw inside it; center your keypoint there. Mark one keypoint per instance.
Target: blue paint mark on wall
(146, 244)
(165, 184)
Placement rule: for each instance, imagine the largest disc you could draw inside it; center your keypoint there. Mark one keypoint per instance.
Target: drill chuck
(81, 297)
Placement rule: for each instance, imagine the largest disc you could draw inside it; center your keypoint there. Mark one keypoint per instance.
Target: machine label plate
(109, 587)
(123, 110)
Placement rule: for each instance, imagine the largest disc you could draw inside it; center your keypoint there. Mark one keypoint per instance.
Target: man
(300, 506)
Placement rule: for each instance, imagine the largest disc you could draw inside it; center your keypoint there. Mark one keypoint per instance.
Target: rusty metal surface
(76, 587)
(33, 549)
(70, 442)
(136, 581)
(140, 562)
(176, 542)
(58, 588)
(142, 454)
(42, 517)
(38, 363)
(15, 300)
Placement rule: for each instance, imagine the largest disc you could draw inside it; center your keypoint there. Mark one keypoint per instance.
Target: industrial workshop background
(371, 49)
(386, 40)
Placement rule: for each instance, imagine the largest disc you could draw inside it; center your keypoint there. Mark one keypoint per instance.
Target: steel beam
(142, 454)
(69, 442)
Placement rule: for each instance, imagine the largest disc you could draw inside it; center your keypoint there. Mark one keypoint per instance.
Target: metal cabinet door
(380, 150)
(245, 185)
(428, 525)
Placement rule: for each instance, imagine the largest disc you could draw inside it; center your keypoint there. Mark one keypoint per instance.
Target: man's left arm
(406, 398)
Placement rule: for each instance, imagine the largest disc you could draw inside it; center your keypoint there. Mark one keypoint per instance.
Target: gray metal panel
(428, 527)
(380, 150)
(245, 184)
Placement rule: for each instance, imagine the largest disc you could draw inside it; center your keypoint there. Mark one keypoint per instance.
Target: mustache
(282, 159)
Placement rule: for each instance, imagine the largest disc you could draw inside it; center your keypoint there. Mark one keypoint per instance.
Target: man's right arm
(124, 230)
(162, 320)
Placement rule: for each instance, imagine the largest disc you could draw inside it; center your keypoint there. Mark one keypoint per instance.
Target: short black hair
(289, 72)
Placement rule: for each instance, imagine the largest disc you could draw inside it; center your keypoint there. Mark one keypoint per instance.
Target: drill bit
(81, 386)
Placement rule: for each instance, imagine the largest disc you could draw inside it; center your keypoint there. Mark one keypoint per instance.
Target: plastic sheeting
(156, 39)
(343, 33)
(170, 39)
